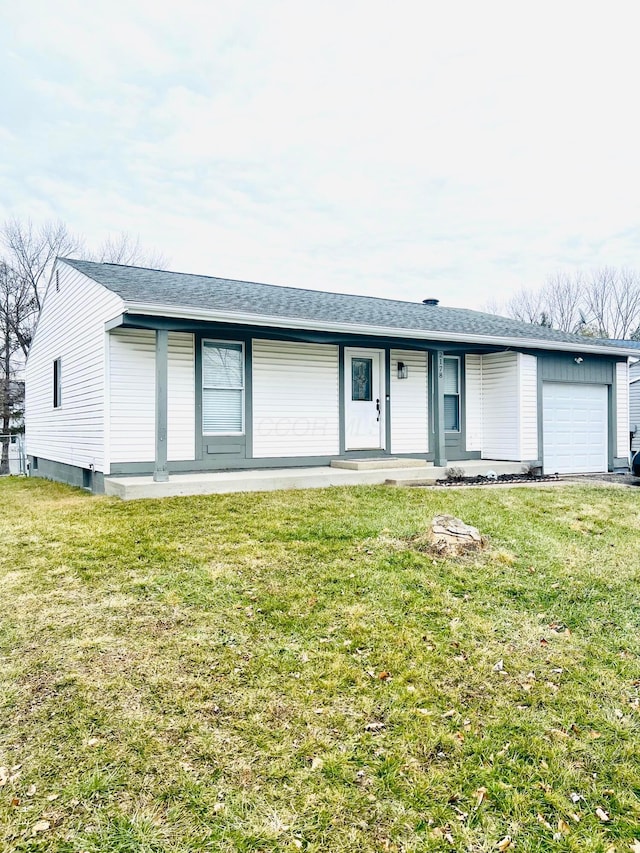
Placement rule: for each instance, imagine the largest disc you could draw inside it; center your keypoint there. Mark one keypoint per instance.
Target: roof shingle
(187, 291)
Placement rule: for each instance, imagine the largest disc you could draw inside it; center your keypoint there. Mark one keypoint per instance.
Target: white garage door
(574, 428)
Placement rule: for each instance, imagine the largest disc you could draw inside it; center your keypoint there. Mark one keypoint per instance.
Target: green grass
(202, 674)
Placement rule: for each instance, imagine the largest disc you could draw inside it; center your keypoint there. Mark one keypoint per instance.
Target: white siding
(509, 406)
(473, 401)
(409, 416)
(132, 363)
(181, 410)
(622, 409)
(295, 399)
(132, 368)
(71, 327)
(528, 399)
(634, 404)
(500, 407)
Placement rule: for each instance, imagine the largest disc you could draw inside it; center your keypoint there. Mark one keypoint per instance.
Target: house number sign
(440, 365)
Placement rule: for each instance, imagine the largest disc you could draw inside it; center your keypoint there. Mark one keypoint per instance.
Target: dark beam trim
(440, 449)
(242, 332)
(160, 470)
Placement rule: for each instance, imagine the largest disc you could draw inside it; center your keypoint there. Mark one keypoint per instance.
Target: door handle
(378, 409)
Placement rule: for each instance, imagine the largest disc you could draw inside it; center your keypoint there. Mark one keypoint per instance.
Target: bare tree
(126, 249)
(11, 388)
(605, 303)
(613, 302)
(563, 297)
(31, 250)
(528, 306)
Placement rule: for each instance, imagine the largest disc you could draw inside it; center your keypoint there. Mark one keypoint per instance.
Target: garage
(574, 428)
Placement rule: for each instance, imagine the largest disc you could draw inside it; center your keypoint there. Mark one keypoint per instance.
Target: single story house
(141, 371)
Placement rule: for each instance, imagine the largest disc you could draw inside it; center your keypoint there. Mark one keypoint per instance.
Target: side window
(57, 383)
(452, 394)
(222, 388)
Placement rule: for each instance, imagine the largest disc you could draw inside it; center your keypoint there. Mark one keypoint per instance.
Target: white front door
(364, 399)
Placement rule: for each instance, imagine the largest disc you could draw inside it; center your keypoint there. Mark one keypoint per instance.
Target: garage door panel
(574, 430)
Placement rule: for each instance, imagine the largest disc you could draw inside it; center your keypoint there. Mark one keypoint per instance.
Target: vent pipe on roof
(430, 301)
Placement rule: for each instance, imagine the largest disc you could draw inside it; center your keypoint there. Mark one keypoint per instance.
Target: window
(57, 383)
(222, 387)
(361, 379)
(452, 394)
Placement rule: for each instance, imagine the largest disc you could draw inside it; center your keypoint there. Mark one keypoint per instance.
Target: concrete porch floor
(270, 479)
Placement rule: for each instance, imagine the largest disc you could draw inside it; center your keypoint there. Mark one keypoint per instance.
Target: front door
(364, 399)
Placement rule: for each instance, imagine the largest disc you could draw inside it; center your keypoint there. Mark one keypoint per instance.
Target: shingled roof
(185, 292)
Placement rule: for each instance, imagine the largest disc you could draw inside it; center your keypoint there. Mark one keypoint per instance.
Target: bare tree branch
(31, 250)
(563, 297)
(126, 249)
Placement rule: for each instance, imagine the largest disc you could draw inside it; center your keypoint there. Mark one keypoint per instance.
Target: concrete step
(378, 464)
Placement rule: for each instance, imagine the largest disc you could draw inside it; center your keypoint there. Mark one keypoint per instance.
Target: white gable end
(71, 328)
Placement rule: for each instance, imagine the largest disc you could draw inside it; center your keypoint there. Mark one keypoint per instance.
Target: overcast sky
(460, 150)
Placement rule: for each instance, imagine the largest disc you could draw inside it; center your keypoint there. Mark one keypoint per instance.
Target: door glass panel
(361, 384)
(451, 413)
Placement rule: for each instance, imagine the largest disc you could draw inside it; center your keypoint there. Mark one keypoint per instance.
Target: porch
(359, 473)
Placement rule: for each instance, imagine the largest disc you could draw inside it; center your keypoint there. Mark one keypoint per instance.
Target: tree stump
(449, 536)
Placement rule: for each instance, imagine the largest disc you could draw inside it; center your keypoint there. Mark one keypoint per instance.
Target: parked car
(635, 464)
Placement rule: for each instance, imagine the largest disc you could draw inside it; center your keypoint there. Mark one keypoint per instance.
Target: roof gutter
(245, 319)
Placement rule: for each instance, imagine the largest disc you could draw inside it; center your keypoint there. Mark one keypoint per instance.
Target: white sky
(460, 150)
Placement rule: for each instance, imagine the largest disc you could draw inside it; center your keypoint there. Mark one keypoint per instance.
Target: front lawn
(282, 672)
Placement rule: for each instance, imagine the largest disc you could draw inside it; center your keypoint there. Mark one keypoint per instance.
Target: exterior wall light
(579, 359)
(403, 370)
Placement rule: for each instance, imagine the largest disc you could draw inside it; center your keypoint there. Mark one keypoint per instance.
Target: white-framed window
(452, 393)
(57, 383)
(222, 387)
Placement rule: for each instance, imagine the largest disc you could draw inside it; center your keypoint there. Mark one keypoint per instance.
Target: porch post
(440, 450)
(160, 472)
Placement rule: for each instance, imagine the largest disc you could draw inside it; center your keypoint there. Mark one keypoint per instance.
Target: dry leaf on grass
(604, 817)
(544, 822)
(481, 796)
(31, 790)
(374, 727)
(40, 826)
(563, 826)
(635, 847)
(505, 844)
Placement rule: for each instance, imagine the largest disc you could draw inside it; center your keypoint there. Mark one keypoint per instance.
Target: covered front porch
(364, 472)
